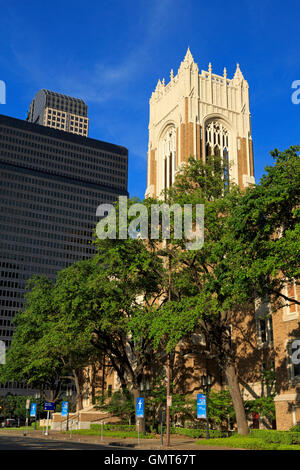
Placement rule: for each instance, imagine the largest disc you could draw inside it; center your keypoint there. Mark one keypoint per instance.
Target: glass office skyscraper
(51, 184)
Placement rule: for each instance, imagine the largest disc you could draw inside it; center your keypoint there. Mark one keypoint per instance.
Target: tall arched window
(217, 142)
(169, 156)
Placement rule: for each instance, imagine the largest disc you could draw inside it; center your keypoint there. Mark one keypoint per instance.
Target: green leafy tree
(120, 404)
(266, 225)
(220, 408)
(27, 359)
(124, 289)
(70, 328)
(202, 296)
(52, 343)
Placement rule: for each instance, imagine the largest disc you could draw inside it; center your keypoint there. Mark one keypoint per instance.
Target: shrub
(114, 427)
(295, 428)
(240, 442)
(279, 437)
(197, 433)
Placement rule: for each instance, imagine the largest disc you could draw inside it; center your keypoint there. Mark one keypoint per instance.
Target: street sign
(27, 404)
(33, 410)
(140, 407)
(49, 406)
(201, 406)
(169, 400)
(64, 408)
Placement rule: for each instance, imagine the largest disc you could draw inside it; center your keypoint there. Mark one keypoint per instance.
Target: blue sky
(111, 54)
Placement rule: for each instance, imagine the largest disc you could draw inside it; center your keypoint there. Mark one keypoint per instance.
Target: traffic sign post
(48, 406)
(162, 419)
(102, 426)
(26, 424)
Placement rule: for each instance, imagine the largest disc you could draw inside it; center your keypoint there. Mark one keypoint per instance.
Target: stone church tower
(199, 114)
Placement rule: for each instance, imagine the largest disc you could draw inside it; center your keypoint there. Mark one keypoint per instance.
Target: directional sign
(49, 406)
(140, 407)
(64, 408)
(201, 406)
(33, 410)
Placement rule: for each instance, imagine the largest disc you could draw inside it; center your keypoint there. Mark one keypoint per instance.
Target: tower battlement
(198, 114)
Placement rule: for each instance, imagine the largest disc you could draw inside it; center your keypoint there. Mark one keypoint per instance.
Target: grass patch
(246, 442)
(119, 434)
(23, 428)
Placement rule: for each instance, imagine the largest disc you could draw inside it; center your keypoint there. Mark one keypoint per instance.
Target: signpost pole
(102, 423)
(26, 423)
(46, 433)
(139, 413)
(168, 404)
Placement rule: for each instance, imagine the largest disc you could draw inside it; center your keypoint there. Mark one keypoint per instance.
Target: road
(33, 443)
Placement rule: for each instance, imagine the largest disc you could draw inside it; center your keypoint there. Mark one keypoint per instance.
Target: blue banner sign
(64, 408)
(201, 406)
(140, 407)
(33, 410)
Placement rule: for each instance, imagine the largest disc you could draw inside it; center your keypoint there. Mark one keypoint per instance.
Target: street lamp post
(206, 381)
(37, 396)
(145, 388)
(69, 393)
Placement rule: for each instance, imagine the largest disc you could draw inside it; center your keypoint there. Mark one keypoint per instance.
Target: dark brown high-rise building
(50, 187)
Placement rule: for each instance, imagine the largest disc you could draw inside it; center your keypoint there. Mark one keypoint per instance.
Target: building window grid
(292, 368)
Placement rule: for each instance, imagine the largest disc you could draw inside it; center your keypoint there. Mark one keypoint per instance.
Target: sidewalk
(176, 442)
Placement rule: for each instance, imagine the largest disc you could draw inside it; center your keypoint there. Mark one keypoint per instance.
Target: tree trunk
(79, 404)
(238, 404)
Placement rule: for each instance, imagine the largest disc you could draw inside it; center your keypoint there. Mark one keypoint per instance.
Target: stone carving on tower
(199, 114)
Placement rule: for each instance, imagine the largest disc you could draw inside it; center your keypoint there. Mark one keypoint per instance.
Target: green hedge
(114, 427)
(246, 442)
(295, 428)
(197, 433)
(276, 437)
